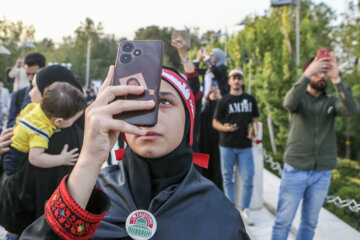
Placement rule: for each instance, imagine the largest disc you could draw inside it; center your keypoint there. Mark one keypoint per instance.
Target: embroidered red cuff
(191, 75)
(67, 219)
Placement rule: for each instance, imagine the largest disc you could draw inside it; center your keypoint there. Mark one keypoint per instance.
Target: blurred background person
(20, 98)
(4, 105)
(209, 137)
(216, 70)
(18, 73)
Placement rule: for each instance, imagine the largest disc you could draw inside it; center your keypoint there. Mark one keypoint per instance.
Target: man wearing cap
(233, 114)
(310, 153)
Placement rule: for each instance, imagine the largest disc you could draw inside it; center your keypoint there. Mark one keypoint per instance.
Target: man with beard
(310, 153)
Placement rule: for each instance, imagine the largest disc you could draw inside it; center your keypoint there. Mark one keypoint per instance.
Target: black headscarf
(55, 73)
(148, 177)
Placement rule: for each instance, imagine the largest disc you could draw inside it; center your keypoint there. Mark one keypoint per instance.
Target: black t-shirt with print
(240, 110)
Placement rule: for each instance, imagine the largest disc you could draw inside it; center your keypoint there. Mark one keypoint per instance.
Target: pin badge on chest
(141, 225)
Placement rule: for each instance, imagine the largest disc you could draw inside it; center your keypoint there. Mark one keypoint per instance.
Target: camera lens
(127, 47)
(137, 52)
(125, 58)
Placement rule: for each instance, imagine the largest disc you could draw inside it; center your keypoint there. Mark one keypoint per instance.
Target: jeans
(12, 159)
(243, 158)
(310, 186)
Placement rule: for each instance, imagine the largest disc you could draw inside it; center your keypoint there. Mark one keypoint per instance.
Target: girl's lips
(152, 133)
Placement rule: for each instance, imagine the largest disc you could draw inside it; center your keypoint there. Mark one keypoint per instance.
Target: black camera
(125, 58)
(127, 47)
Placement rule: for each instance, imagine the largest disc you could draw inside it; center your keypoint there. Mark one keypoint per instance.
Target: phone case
(322, 53)
(139, 62)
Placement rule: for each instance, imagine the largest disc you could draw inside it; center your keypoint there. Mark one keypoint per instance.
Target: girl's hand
(101, 129)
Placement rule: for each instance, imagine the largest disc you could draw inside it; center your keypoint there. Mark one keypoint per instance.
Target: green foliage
(12, 35)
(346, 184)
(265, 51)
(347, 35)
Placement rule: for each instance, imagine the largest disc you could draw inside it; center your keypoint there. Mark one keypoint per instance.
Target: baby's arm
(39, 158)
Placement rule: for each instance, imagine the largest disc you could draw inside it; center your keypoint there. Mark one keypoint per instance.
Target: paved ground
(329, 227)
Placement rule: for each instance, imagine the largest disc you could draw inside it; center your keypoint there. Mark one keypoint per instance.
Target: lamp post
(219, 34)
(88, 54)
(279, 3)
(87, 74)
(26, 44)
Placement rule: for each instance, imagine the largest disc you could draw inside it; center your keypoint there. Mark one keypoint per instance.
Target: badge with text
(141, 225)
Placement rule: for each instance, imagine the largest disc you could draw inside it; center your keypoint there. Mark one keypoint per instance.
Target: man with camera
(233, 114)
(310, 153)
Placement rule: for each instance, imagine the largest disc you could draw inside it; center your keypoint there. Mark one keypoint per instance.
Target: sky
(55, 19)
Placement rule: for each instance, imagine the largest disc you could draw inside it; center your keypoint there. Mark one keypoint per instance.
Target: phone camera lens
(137, 52)
(125, 58)
(324, 52)
(127, 47)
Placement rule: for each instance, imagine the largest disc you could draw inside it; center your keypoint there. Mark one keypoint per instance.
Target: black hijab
(148, 177)
(55, 73)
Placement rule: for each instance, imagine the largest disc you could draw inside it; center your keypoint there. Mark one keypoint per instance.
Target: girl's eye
(165, 101)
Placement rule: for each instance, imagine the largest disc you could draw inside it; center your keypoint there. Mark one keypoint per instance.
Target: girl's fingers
(111, 92)
(108, 79)
(122, 126)
(120, 106)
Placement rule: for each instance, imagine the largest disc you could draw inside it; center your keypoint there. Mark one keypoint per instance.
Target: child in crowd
(61, 106)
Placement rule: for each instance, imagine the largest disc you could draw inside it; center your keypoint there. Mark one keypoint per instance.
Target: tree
(12, 35)
(347, 38)
(265, 49)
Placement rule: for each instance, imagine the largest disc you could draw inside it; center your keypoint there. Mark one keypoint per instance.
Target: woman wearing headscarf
(216, 72)
(154, 192)
(23, 195)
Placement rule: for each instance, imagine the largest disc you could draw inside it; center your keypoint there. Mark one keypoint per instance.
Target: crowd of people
(59, 135)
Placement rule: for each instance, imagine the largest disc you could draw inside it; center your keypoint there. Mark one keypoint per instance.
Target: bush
(346, 184)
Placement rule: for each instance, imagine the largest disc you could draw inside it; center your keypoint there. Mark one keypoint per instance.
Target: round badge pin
(141, 225)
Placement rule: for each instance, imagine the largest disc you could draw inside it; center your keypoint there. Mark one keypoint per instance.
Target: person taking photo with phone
(216, 70)
(310, 154)
(154, 192)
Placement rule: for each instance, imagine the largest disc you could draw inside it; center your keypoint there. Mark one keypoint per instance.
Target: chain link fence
(349, 203)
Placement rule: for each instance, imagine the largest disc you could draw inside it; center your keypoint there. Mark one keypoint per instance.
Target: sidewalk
(329, 227)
